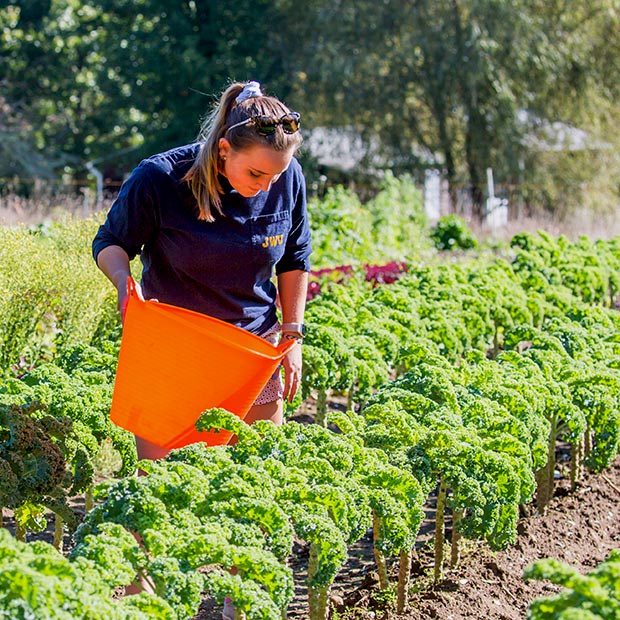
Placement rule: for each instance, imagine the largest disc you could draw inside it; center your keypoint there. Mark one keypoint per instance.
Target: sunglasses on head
(267, 125)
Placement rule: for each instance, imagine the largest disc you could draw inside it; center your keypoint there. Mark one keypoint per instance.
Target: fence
(36, 200)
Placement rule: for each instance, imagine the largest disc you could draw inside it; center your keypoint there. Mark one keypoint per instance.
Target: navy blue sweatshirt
(222, 268)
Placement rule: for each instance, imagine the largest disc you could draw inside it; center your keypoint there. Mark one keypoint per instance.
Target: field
(578, 528)
(459, 419)
(580, 531)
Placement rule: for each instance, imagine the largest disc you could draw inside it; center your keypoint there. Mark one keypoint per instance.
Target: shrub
(451, 233)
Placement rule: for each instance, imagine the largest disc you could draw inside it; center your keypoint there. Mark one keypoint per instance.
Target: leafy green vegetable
(451, 233)
(595, 596)
(38, 582)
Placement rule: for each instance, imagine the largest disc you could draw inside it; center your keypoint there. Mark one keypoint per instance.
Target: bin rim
(184, 315)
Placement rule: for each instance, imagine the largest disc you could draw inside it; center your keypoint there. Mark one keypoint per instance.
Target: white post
(432, 194)
(490, 185)
(99, 178)
(496, 209)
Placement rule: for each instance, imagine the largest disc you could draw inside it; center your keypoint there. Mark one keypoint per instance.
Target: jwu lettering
(273, 241)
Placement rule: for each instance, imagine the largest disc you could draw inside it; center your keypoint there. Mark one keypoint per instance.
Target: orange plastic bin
(175, 363)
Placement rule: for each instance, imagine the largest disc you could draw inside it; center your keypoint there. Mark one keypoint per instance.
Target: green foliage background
(481, 426)
(459, 85)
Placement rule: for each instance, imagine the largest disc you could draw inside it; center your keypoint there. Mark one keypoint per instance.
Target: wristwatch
(293, 331)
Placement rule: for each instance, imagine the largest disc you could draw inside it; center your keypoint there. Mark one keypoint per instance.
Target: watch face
(302, 329)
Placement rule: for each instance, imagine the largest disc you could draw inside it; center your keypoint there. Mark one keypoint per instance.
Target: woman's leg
(150, 451)
(273, 411)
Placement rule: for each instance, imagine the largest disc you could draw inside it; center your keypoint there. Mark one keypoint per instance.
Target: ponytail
(203, 176)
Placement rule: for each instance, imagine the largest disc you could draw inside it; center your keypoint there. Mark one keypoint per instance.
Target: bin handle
(131, 286)
(284, 346)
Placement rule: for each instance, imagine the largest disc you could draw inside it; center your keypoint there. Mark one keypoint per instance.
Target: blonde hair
(203, 176)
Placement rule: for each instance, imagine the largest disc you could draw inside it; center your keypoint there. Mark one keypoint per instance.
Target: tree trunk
(476, 147)
(446, 143)
(475, 179)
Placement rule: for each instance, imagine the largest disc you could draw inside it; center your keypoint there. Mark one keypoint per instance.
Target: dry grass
(15, 210)
(593, 225)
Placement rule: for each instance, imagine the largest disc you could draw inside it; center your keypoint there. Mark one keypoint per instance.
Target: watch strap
(297, 330)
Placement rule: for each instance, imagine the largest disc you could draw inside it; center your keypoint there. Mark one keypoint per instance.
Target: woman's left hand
(292, 372)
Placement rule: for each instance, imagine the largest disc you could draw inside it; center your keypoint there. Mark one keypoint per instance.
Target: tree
(427, 83)
(451, 76)
(127, 76)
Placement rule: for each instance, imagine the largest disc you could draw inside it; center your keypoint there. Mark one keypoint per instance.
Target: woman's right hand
(123, 298)
(114, 262)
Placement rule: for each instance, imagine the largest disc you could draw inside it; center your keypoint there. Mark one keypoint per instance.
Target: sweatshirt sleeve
(133, 217)
(298, 245)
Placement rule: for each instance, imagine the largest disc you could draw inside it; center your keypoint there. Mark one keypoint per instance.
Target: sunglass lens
(291, 122)
(265, 125)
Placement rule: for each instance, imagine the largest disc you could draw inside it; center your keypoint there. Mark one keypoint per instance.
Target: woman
(212, 221)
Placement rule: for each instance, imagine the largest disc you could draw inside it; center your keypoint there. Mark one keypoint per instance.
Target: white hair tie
(251, 89)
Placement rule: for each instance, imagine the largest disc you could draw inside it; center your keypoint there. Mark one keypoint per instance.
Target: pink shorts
(274, 388)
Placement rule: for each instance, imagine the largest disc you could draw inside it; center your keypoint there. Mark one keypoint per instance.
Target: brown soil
(579, 528)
